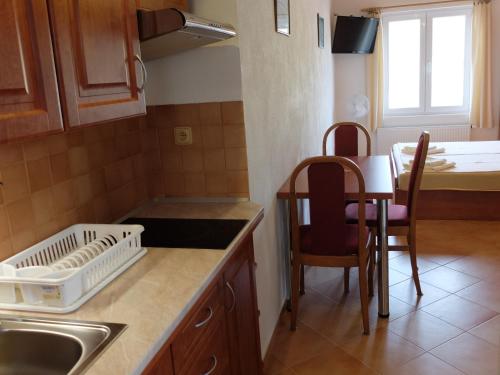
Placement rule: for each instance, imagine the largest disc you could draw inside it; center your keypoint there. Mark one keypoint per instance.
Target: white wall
(207, 74)
(288, 99)
(350, 69)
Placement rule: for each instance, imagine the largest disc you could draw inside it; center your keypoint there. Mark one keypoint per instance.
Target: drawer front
(206, 316)
(213, 357)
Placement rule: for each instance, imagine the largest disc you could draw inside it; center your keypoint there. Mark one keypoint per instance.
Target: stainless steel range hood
(167, 31)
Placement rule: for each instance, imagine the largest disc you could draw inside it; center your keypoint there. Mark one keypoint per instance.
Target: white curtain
(481, 103)
(375, 74)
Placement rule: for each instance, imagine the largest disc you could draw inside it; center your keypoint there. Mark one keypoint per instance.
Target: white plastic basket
(70, 267)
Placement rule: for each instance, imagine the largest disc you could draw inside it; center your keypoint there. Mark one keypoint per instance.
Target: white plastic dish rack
(64, 271)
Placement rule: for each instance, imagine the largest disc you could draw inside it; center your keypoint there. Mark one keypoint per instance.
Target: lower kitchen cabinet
(220, 334)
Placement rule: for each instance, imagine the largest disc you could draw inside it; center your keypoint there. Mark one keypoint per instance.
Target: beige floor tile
(424, 330)
(407, 293)
(334, 361)
(403, 264)
(340, 322)
(481, 265)
(440, 257)
(394, 254)
(382, 350)
(395, 277)
(319, 275)
(459, 312)
(426, 364)
(489, 331)
(273, 366)
(486, 293)
(470, 354)
(448, 279)
(291, 348)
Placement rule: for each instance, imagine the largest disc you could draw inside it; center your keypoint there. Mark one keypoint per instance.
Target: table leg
(383, 259)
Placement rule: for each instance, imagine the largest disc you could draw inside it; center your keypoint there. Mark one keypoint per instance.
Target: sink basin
(52, 346)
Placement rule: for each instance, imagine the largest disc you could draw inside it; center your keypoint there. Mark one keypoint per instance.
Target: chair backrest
(416, 173)
(346, 139)
(326, 179)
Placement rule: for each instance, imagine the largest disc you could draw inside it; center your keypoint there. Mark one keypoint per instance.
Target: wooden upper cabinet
(29, 103)
(162, 4)
(97, 52)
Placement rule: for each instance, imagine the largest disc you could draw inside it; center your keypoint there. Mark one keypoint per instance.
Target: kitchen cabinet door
(29, 103)
(241, 313)
(97, 53)
(161, 364)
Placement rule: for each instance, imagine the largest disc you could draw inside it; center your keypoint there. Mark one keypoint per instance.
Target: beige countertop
(154, 295)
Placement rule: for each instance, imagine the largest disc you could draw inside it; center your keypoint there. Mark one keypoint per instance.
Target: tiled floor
(453, 329)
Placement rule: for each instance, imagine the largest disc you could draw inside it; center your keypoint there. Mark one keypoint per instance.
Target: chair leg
(295, 295)
(363, 293)
(413, 259)
(302, 281)
(346, 279)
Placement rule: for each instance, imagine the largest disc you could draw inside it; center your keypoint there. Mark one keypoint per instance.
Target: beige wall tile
(192, 160)
(23, 239)
(213, 136)
(161, 116)
(56, 144)
(43, 231)
(4, 226)
(186, 115)
(102, 209)
(15, 182)
(195, 184)
(216, 183)
(237, 181)
(214, 160)
(6, 249)
(21, 216)
(35, 149)
(155, 185)
(74, 138)
(78, 161)
(172, 161)
(83, 187)
(236, 158)
(65, 197)
(232, 112)
(10, 154)
(234, 136)
(210, 114)
(98, 181)
(43, 206)
(174, 184)
(59, 164)
(39, 174)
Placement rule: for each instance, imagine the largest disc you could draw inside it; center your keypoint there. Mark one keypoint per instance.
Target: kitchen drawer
(200, 324)
(213, 357)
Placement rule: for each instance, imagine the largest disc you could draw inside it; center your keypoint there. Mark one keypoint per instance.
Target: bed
(469, 191)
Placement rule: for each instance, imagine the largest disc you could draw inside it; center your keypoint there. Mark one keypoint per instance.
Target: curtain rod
(376, 10)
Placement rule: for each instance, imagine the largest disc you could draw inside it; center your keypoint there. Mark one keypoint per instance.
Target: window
(427, 66)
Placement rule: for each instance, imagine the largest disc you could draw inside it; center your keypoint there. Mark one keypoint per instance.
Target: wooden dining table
(379, 186)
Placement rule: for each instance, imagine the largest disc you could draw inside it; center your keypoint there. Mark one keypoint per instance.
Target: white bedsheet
(477, 166)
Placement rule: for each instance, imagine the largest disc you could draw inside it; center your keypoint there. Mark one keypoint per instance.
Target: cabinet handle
(214, 366)
(203, 322)
(144, 73)
(228, 285)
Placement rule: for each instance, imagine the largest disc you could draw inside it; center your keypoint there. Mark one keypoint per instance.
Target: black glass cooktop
(188, 233)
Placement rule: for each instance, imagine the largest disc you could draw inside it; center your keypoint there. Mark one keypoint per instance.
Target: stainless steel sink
(51, 346)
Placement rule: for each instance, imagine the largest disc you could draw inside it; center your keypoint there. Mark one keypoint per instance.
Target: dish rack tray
(71, 267)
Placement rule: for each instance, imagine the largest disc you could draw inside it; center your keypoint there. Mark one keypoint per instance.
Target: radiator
(386, 137)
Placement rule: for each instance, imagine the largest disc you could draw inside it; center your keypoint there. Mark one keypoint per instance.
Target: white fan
(359, 106)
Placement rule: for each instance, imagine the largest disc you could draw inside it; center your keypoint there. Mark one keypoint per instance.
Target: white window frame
(425, 114)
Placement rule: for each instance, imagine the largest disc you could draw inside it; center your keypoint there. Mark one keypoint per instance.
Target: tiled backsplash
(215, 164)
(99, 173)
(96, 174)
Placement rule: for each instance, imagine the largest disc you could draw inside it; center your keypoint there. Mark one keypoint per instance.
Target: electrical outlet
(183, 136)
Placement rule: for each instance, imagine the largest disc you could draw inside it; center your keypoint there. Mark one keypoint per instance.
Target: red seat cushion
(351, 234)
(397, 215)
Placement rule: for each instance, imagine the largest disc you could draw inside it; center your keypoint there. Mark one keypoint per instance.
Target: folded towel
(429, 162)
(432, 166)
(409, 150)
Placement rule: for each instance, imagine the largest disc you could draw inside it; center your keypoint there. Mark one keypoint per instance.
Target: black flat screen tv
(355, 34)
